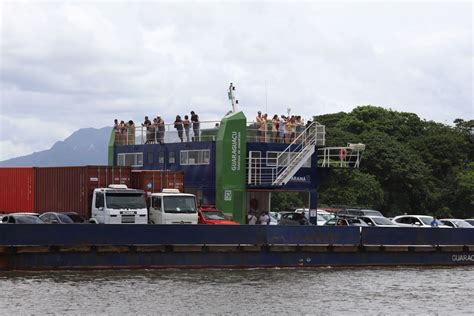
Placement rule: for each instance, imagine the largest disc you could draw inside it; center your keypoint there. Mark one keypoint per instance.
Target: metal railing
(140, 135)
(279, 169)
(293, 157)
(258, 135)
(341, 157)
(167, 133)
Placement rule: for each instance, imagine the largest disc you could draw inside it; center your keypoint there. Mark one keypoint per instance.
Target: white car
(456, 223)
(378, 221)
(325, 214)
(273, 218)
(416, 221)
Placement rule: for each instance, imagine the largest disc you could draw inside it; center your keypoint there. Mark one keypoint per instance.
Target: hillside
(86, 146)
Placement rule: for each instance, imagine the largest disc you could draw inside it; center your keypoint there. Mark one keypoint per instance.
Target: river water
(398, 290)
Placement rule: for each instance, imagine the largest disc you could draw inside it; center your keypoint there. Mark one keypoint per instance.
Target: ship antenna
(231, 96)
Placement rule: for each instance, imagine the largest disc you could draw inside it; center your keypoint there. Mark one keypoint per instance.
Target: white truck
(118, 204)
(172, 207)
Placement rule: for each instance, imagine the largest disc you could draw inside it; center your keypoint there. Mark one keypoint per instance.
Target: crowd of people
(124, 132)
(155, 130)
(280, 129)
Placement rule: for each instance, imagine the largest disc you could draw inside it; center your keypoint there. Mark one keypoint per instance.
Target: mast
(232, 99)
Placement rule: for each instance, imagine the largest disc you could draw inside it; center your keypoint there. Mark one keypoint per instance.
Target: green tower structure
(231, 149)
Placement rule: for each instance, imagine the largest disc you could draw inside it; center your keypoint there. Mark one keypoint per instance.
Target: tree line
(409, 166)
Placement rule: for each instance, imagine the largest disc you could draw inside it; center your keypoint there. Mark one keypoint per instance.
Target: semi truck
(172, 207)
(117, 204)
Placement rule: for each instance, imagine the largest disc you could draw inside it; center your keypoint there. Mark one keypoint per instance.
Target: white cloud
(82, 64)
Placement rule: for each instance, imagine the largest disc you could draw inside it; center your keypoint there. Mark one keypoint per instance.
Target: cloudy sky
(68, 65)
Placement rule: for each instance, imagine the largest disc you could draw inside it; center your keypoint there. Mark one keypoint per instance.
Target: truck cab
(118, 204)
(172, 207)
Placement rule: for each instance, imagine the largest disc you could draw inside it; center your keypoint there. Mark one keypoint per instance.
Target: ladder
(297, 153)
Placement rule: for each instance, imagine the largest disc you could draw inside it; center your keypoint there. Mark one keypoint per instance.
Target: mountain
(86, 146)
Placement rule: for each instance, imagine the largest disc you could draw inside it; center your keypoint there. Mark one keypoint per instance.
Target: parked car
(378, 221)
(358, 212)
(320, 219)
(55, 218)
(326, 215)
(273, 219)
(456, 223)
(212, 216)
(21, 219)
(76, 218)
(415, 221)
(470, 221)
(26, 213)
(293, 218)
(345, 221)
(276, 214)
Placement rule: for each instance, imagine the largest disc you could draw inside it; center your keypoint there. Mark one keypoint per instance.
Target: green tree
(289, 200)
(352, 187)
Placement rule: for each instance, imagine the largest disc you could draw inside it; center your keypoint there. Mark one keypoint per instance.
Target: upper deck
(208, 130)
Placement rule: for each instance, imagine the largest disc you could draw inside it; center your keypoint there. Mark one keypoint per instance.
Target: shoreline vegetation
(409, 166)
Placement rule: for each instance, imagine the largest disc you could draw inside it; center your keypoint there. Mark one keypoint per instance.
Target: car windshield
(28, 219)
(320, 218)
(462, 224)
(125, 200)
(426, 220)
(372, 213)
(213, 215)
(326, 216)
(356, 222)
(65, 219)
(179, 204)
(382, 221)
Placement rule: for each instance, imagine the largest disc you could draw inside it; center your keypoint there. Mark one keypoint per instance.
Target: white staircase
(298, 152)
(277, 170)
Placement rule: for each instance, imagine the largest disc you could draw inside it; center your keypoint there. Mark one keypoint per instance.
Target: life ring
(343, 153)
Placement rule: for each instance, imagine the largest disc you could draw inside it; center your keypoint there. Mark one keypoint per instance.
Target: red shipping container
(157, 180)
(69, 189)
(17, 190)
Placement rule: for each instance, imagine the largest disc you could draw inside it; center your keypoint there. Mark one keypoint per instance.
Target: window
(194, 157)
(156, 202)
(272, 157)
(99, 200)
(171, 157)
(149, 158)
(130, 159)
(161, 157)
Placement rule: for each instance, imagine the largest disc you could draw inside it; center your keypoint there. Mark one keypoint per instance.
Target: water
(258, 291)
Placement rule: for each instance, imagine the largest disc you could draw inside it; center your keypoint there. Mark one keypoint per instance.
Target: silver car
(378, 221)
(456, 223)
(423, 221)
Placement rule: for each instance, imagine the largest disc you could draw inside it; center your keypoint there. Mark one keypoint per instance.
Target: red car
(209, 215)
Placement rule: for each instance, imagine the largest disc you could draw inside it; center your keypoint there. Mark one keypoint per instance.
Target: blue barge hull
(38, 247)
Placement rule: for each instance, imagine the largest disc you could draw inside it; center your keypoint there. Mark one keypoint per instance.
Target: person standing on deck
(130, 133)
(281, 127)
(186, 125)
(148, 131)
(116, 132)
(195, 122)
(161, 130)
(178, 124)
(275, 124)
(258, 121)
